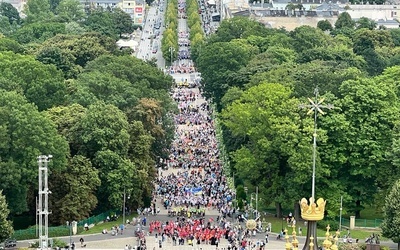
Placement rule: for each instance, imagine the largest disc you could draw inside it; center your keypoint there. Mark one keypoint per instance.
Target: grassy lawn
(98, 228)
(277, 224)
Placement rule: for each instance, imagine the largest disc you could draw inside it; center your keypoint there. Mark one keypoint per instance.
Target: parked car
(10, 243)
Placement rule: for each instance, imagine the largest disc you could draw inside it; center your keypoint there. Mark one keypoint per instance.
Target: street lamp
(69, 224)
(171, 50)
(124, 208)
(316, 107)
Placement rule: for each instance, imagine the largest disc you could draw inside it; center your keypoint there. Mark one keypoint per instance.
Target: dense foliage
(391, 223)
(169, 41)
(67, 90)
(258, 77)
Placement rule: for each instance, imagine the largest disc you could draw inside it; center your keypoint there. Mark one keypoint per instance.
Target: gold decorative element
(295, 242)
(312, 211)
(251, 224)
(327, 243)
(311, 242)
(335, 241)
(288, 246)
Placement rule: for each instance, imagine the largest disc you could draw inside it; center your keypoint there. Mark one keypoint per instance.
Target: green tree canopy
(39, 83)
(25, 134)
(70, 10)
(74, 190)
(37, 11)
(275, 150)
(391, 225)
(238, 27)
(231, 57)
(5, 224)
(9, 11)
(344, 21)
(324, 25)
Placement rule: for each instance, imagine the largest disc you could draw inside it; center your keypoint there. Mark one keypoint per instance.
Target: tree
(275, 149)
(123, 23)
(238, 27)
(32, 79)
(231, 57)
(37, 11)
(366, 23)
(79, 48)
(104, 127)
(103, 22)
(5, 225)
(344, 21)
(360, 137)
(66, 119)
(25, 134)
(324, 25)
(53, 5)
(9, 11)
(391, 224)
(74, 190)
(307, 37)
(8, 44)
(62, 59)
(70, 10)
(6, 28)
(38, 32)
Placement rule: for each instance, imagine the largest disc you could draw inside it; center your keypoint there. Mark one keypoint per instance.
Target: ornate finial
(295, 242)
(287, 244)
(311, 242)
(335, 241)
(327, 243)
(312, 211)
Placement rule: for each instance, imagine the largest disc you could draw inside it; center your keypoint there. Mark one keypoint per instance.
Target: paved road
(147, 40)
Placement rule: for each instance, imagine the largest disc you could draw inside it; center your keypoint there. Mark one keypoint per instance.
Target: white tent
(128, 44)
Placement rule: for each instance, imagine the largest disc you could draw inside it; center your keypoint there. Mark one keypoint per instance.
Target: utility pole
(43, 206)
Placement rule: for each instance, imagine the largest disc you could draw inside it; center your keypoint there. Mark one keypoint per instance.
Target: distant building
(18, 4)
(101, 3)
(389, 24)
(135, 8)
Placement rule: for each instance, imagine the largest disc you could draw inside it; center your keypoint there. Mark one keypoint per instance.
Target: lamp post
(69, 224)
(171, 50)
(340, 213)
(123, 208)
(315, 107)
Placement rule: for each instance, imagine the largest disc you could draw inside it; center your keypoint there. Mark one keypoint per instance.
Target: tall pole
(340, 213)
(37, 216)
(171, 49)
(256, 201)
(70, 234)
(123, 209)
(315, 107)
(43, 205)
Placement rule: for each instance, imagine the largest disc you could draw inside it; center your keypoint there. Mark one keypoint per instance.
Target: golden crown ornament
(312, 211)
